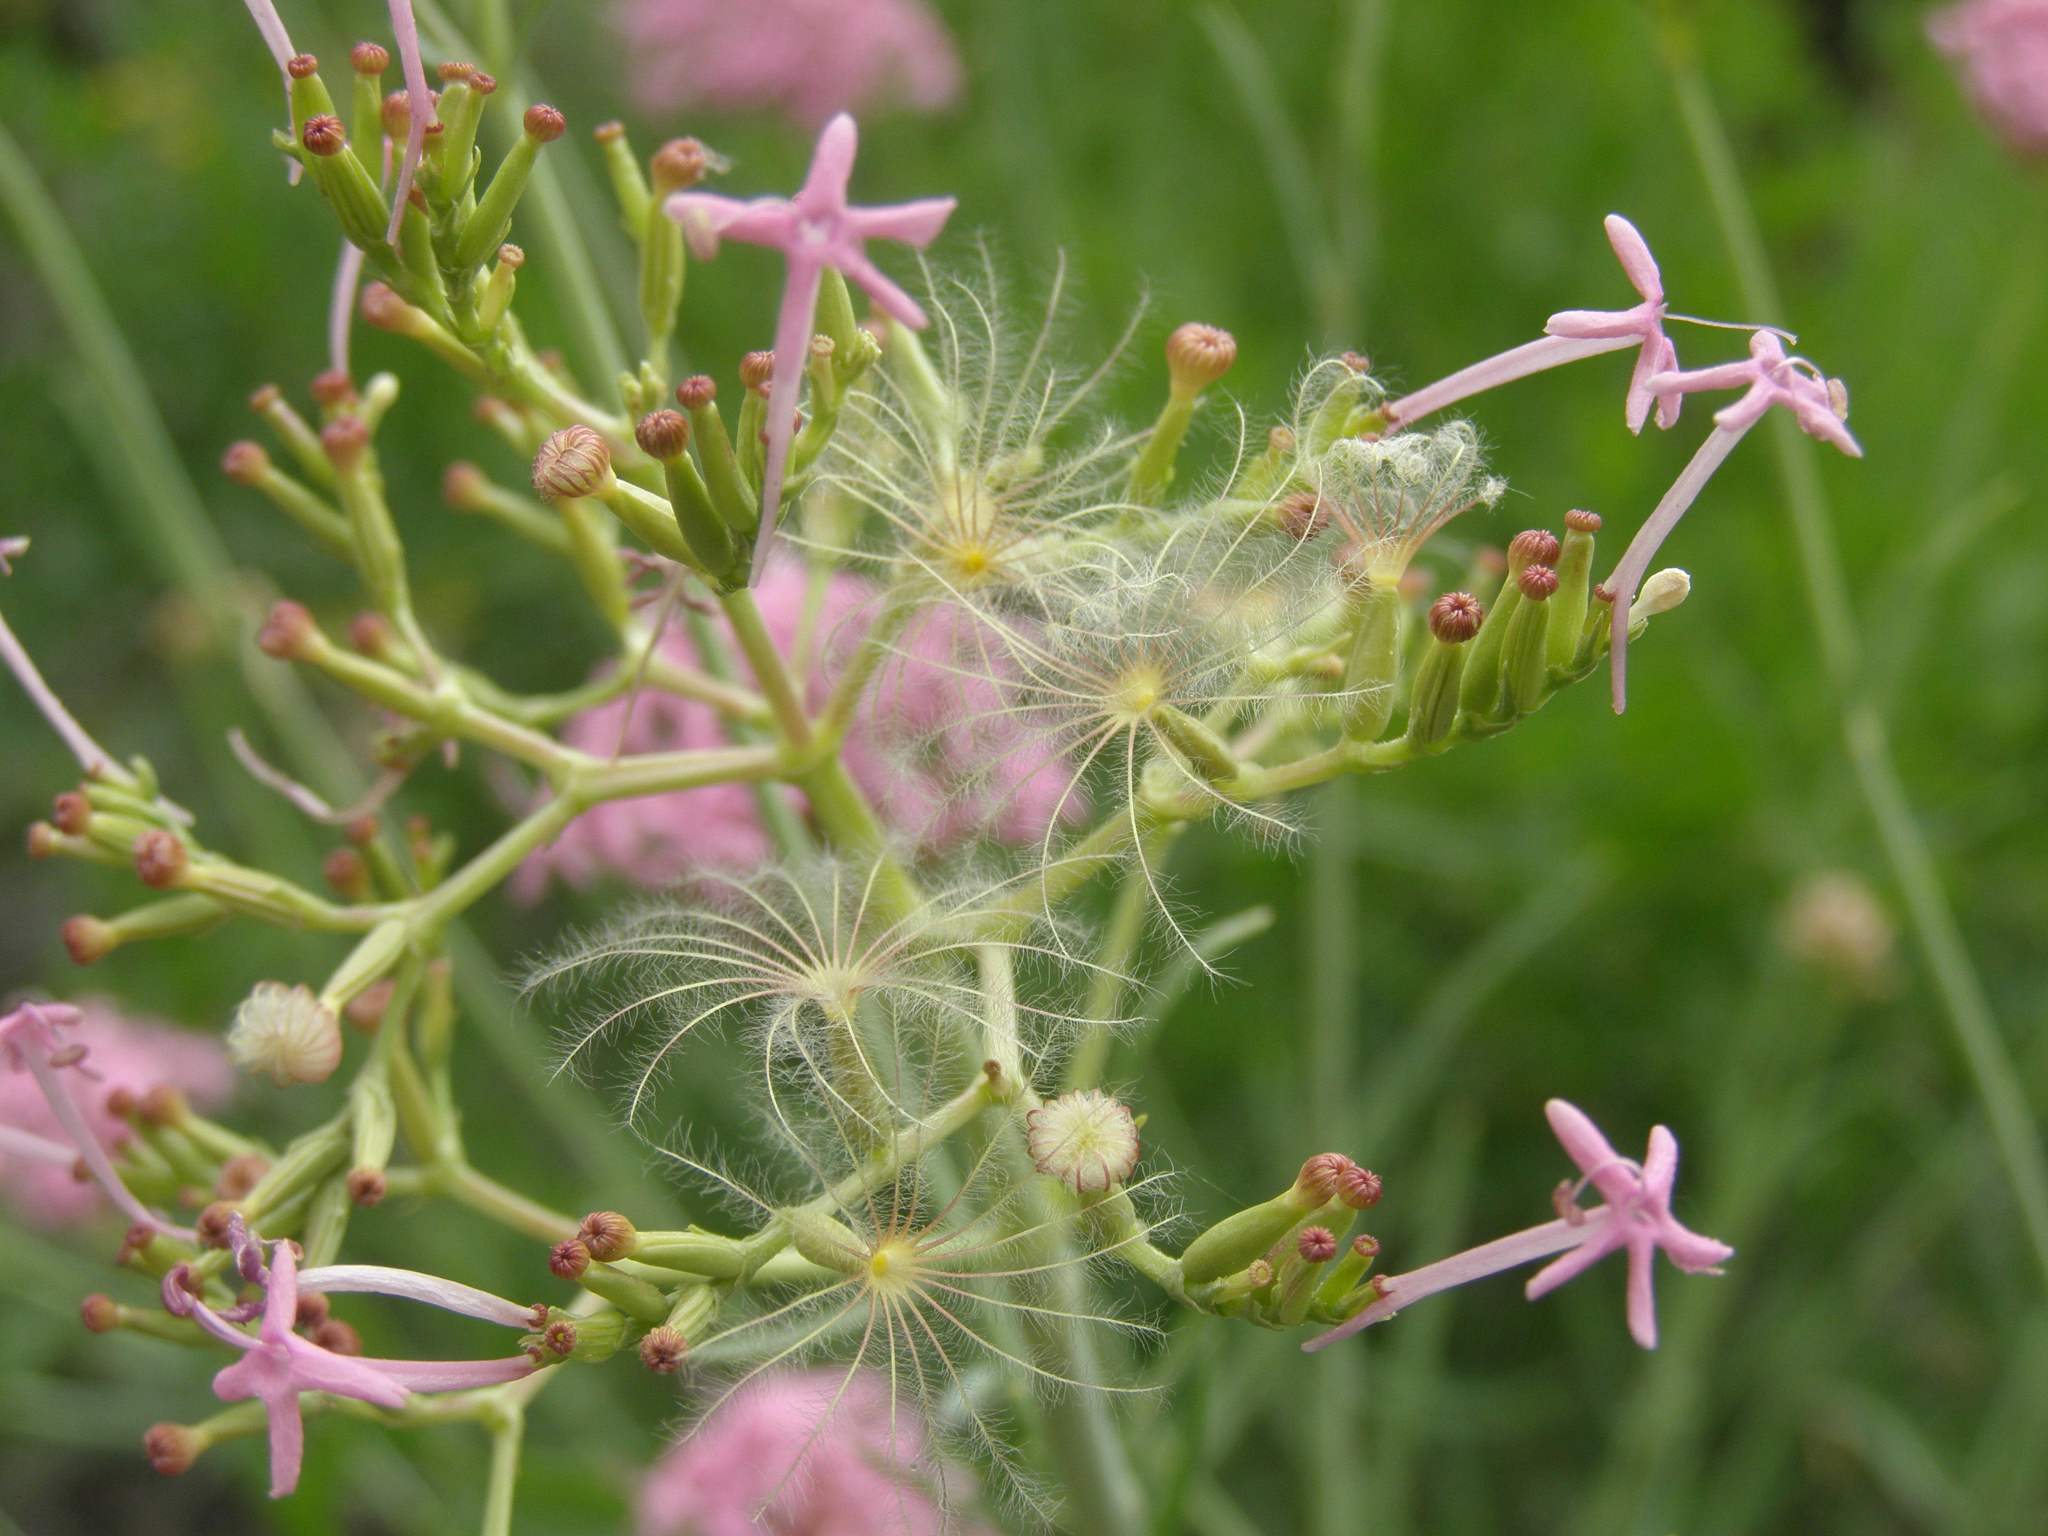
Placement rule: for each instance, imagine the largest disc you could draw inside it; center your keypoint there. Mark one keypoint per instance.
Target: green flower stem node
(459, 110)
(352, 192)
(1574, 585)
(629, 183)
(1525, 663)
(1374, 665)
(663, 267)
(692, 1253)
(729, 495)
(1433, 704)
(326, 1222)
(636, 1298)
(491, 220)
(1243, 1236)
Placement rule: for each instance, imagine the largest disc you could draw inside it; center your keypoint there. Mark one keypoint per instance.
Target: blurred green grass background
(1589, 907)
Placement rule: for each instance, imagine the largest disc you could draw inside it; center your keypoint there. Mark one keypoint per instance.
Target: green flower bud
(1574, 582)
(1244, 1236)
(1454, 619)
(623, 170)
(826, 1241)
(1481, 692)
(1525, 652)
(1374, 664)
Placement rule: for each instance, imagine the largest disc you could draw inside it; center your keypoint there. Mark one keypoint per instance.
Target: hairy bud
(1317, 1182)
(87, 940)
(568, 1259)
(301, 66)
(1581, 521)
(337, 1337)
(72, 812)
(345, 439)
(1533, 546)
(1359, 1188)
(99, 1314)
(239, 1175)
(366, 1186)
(1537, 582)
(696, 392)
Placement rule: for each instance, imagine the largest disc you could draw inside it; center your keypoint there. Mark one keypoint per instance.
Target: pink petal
(1689, 1250)
(1580, 1137)
(411, 1284)
(1642, 1300)
(707, 217)
(1570, 1266)
(889, 298)
(1660, 1165)
(314, 1369)
(281, 1295)
(1634, 254)
(792, 335)
(824, 189)
(452, 1375)
(1602, 323)
(916, 223)
(287, 1445)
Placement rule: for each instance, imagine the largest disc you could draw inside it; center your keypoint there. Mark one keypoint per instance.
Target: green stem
(1106, 988)
(1928, 909)
(487, 1197)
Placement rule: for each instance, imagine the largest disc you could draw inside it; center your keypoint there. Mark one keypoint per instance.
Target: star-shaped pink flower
(1645, 322)
(1769, 378)
(814, 230)
(1637, 1217)
(277, 1364)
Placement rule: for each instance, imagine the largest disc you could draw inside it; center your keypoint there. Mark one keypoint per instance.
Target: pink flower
(277, 1365)
(1636, 1218)
(811, 1453)
(806, 59)
(814, 230)
(2001, 51)
(975, 769)
(38, 1148)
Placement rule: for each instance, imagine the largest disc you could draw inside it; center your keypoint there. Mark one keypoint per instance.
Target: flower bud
(1085, 1139)
(568, 1259)
(370, 634)
(345, 439)
(301, 66)
(1246, 1235)
(1316, 1245)
(385, 310)
(1661, 593)
(285, 1033)
(543, 124)
(696, 392)
(757, 371)
(332, 387)
(313, 1310)
(1525, 650)
(288, 631)
(1320, 1175)
(337, 1337)
(370, 59)
(573, 462)
(366, 1186)
(348, 873)
(245, 462)
(214, 1227)
(99, 1314)
(1574, 575)
(72, 812)
(1301, 514)
(87, 939)
(1359, 1188)
(662, 434)
(163, 1105)
(239, 1175)
(663, 1349)
(1197, 356)
(159, 859)
(172, 1448)
(677, 164)
(1532, 546)
(607, 1235)
(324, 135)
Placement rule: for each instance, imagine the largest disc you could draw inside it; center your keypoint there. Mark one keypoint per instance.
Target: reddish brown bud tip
(677, 164)
(164, 1104)
(365, 1186)
(696, 392)
(171, 1448)
(1357, 362)
(42, 840)
(338, 1338)
(1258, 1274)
(663, 434)
(345, 438)
(363, 831)
(369, 59)
(454, 70)
(331, 387)
(605, 132)
(511, 257)
(381, 307)
(301, 65)
(1581, 521)
(72, 812)
(1537, 546)
(607, 1236)
(244, 462)
(263, 397)
(396, 115)
(312, 1310)
(575, 461)
(543, 123)
(99, 1314)
(1537, 582)
(1359, 1188)
(123, 1102)
(348, 874)
(464, 486)
(560, 1337)
(212, 1225)
(756, 370)
(239, 1175)
(87, 939)
(1317, 1245)
(1455, 617)
(370, 633)
(287, 631)
(159, 858)
(1604, 594)
(1366, 1246)
(663, 1349)
(482, 83)
(365, 1011)
(1198, 355)
(1318, 1178)
(323, 135)
(568, 1259)
(134, 1242)
(1301, 514)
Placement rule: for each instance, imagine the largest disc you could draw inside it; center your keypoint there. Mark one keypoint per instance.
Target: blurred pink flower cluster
(2001, 51)
(806, 59)
(798, 1453)
(135, 1054)
(931, 746)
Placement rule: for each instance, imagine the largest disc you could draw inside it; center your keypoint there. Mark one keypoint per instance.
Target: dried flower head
(286, 1034)
(1391, 497)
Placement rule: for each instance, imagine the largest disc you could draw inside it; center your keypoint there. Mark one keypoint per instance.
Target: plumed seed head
(1085, 1139)
(1455, 617)
(573, 462)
